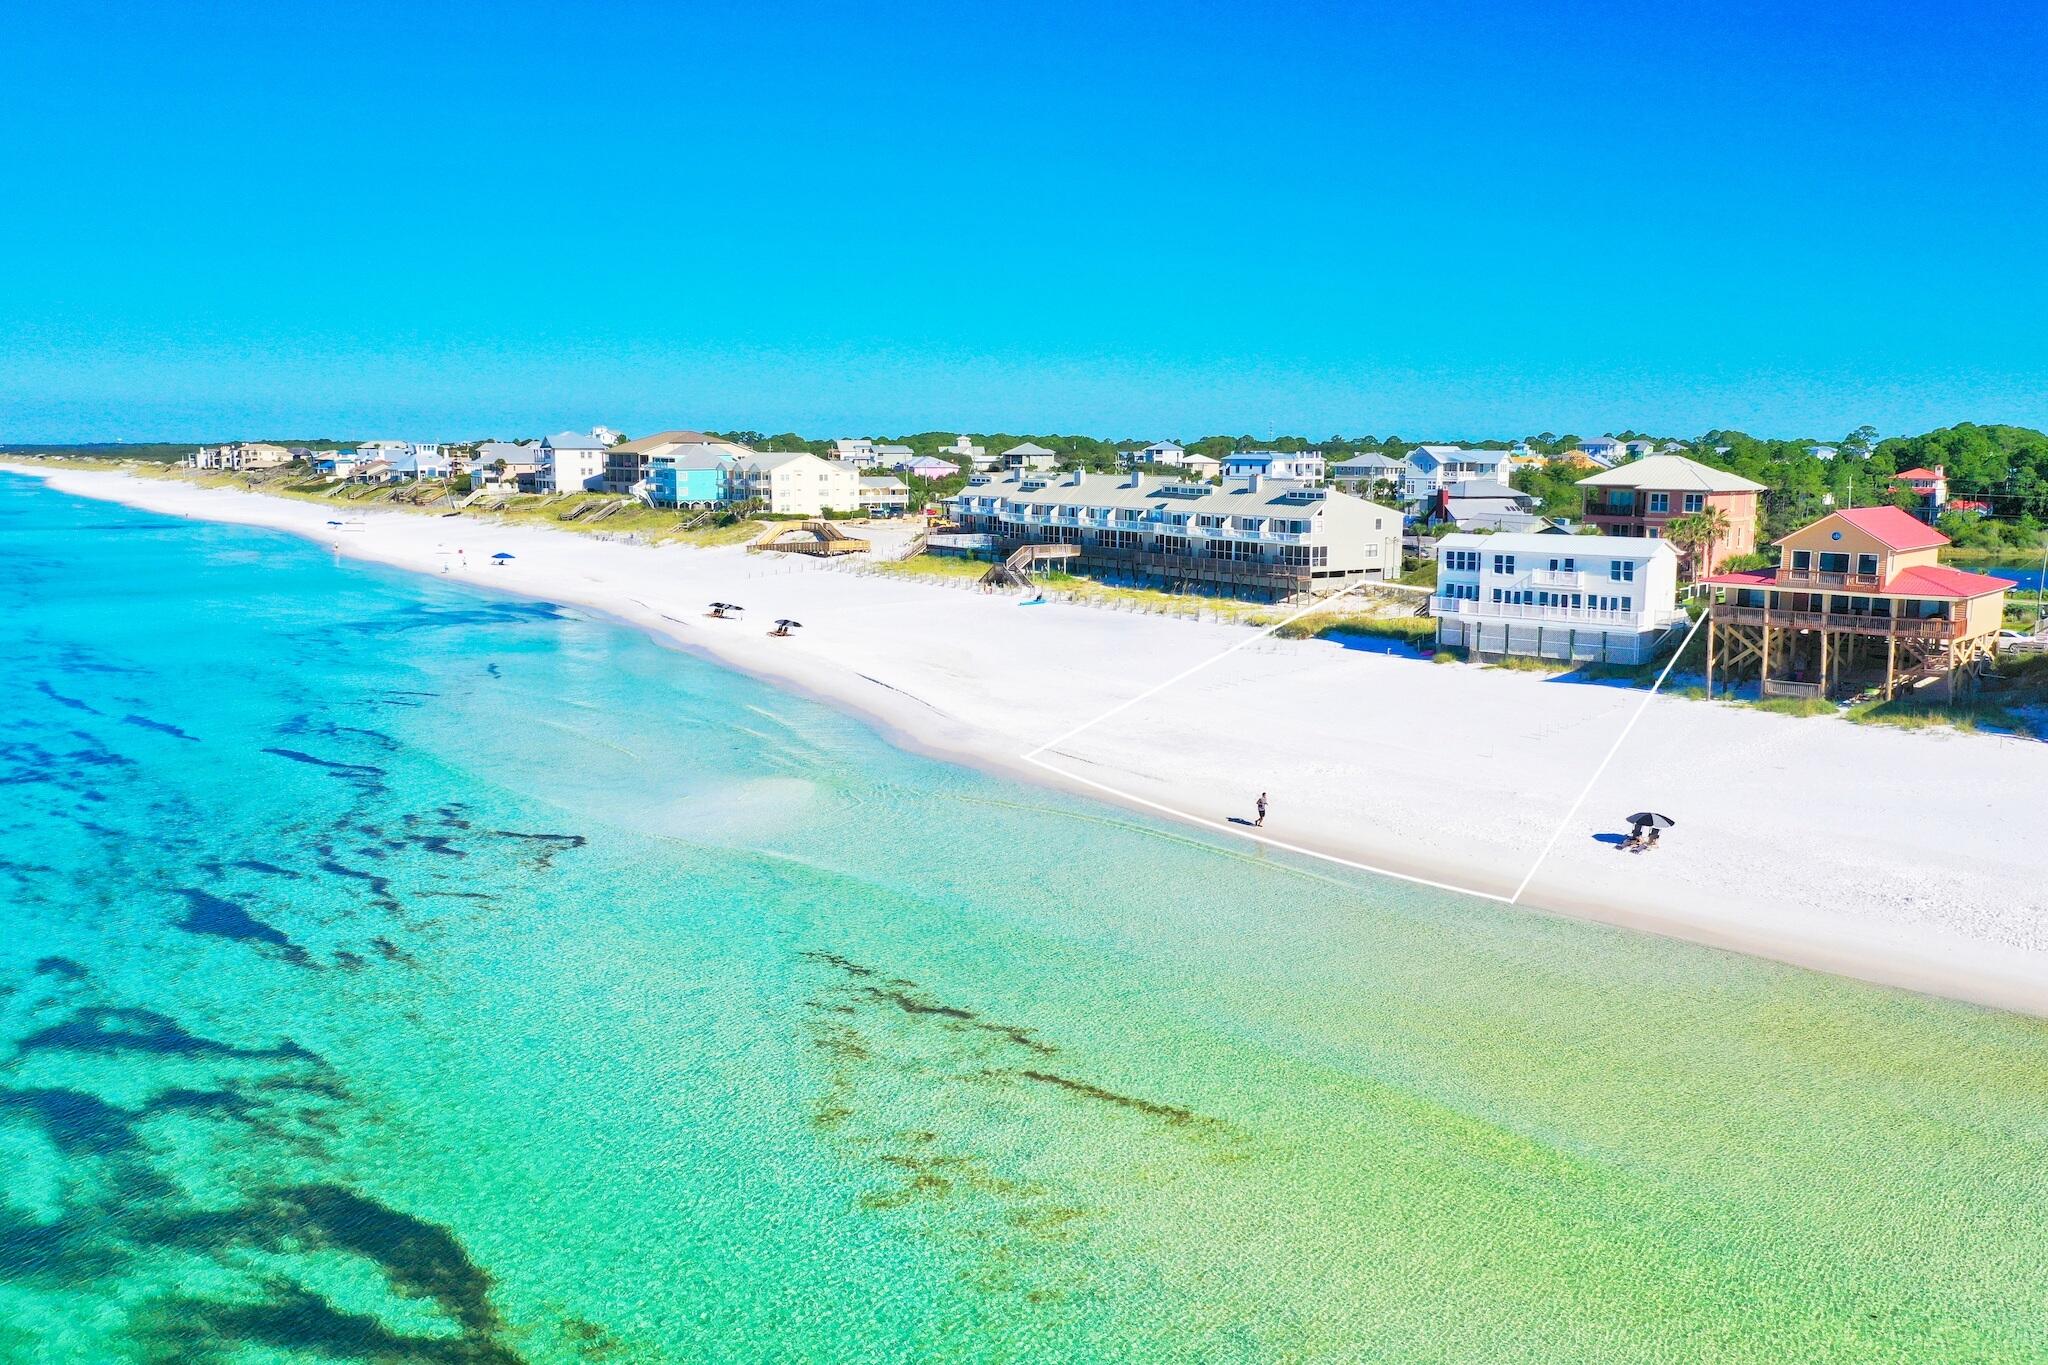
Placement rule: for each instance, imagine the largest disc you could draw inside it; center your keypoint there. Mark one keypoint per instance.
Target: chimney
(1132, 481)
(1074, 477)
(1252, 483)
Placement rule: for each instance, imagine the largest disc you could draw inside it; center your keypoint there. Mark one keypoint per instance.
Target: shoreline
(1444, 774)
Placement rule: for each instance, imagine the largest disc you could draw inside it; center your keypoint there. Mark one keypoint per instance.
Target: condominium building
(1607, 599)
(793, 483)
(1250, 537)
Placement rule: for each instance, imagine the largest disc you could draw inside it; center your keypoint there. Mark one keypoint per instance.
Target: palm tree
(1714, 524)
(1688, 533)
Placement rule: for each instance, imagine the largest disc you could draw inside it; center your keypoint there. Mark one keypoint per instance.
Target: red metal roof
(1938, 580)
(1895, 529)
(1922, 581)
(1745, 578)
(1916, 474)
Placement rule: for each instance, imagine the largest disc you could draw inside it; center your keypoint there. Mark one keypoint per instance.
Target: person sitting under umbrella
(1646, 820)
(501, 557)
(785, 627)
(719, 609)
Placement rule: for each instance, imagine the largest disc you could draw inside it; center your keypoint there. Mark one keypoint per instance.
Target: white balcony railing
(1518, 611)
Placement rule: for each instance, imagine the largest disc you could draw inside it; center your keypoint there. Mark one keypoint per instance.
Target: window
(1660, 502)
(1832, 562)
(1622, 571)
(1563, 565)
(1461, 561)
(1628, 604)
(1802, 560)
(1695, 502)
(1867, 565)
(1503, 564)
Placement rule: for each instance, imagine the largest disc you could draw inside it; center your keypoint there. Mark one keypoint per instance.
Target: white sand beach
(1900, 857)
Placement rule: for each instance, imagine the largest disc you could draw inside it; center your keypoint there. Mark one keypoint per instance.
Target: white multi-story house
(857, 451)
(238, 455)
(1174, 456)
(794, 483)
(1605, 449)
(966, 454)
(571, 462)
(381, 461)
(1606, 599)
(1306, 466)
(1159, 452)
(1251, 537)
(1432, 467)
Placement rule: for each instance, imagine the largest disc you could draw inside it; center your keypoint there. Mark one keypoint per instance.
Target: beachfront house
(685, 476)
(793, 483)
(1251, 537)
(419, 461)
(1929, 488)
(335, 464)
(884, 496)
(1859, 599)
(1305, 466)
(1643, 498)
(925, 467)
(1028, 455)
(239, 455)
(1603, 450)
(1594, 599)
(628, 462)
(1430, 467)
(571, 462)
(394, 461)
(506, 462)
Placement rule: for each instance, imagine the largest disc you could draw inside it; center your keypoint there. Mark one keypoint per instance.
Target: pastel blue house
(695, 479)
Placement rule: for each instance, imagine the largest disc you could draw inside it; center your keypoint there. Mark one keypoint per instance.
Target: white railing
(1518, 611)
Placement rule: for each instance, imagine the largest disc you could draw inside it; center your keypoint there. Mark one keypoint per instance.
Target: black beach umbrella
(790, 625)
(1652, 819)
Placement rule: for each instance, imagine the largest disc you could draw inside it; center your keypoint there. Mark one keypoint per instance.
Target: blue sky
(1476, 219)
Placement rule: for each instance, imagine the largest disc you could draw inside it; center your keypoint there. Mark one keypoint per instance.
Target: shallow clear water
(394, 972)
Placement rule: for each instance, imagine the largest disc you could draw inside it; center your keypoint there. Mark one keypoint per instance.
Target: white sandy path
(1899, 857)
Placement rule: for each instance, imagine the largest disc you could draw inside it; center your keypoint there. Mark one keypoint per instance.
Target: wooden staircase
(1017, 570)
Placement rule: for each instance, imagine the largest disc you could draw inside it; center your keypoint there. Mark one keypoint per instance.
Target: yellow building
(1859, 595)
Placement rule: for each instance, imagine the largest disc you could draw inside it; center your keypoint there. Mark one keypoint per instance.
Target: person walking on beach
(1262, 811)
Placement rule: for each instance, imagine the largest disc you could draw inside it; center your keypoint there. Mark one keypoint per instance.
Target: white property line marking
(1032, 757)
(1157, 688)
(1614, 749)
(1242, 832)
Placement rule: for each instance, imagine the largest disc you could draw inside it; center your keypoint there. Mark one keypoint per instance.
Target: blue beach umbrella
(501, 555)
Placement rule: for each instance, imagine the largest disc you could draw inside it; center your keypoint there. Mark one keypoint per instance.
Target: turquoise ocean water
(393, 972)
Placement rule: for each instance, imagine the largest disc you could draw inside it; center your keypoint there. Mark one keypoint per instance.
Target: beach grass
(1795, 706)
(1411, 630)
